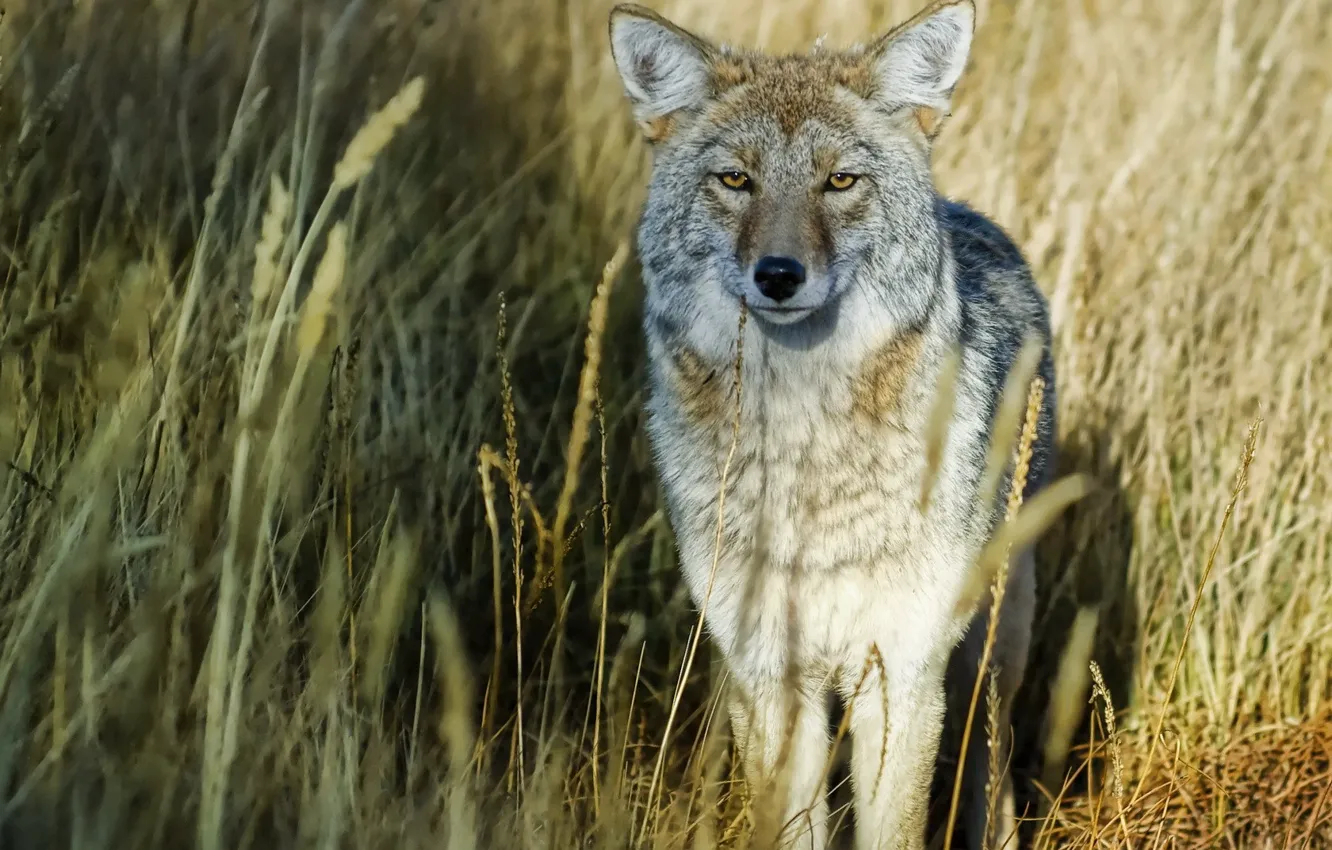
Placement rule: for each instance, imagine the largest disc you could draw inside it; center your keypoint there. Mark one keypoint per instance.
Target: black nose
(778, 278)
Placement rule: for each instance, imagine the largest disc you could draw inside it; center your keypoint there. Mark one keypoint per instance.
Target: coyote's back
(796, 192)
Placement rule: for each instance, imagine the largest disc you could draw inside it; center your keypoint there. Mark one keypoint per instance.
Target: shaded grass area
(281, 507)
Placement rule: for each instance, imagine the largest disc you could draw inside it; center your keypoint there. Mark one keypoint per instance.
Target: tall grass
(303, 547)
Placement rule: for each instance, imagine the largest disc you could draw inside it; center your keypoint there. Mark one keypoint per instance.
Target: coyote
(806, 286)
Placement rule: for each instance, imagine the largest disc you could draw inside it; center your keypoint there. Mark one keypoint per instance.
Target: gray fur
(824, 555)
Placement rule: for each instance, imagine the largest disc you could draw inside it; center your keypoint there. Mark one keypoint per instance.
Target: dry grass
(266, 583)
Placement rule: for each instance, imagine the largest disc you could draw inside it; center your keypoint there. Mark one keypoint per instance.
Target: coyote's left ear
(664, 68)
(918, 64)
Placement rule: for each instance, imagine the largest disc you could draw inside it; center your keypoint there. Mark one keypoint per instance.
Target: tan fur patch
(729, 72)
(825, 160)
(746, 234)
(790, 89)
(883, 377)
(929, 121)
(749, 158)
(817, 233)
(659, 129)
(698, 387)
(856, 76)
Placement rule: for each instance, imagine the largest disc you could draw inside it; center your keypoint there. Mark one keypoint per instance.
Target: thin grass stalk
(1241, 482)
(583, 411)
(1017, 487)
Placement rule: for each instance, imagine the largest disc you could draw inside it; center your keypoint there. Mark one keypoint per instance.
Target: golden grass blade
(582, 420)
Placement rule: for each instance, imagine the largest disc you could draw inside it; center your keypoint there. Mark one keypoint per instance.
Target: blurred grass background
(288, 391)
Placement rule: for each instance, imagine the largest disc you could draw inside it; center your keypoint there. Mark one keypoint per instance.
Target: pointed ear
(919, 63)
(664, 68)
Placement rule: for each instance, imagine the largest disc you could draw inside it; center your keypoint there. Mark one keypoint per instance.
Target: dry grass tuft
(1265, 787)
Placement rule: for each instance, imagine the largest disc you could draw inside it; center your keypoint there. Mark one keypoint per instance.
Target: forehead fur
(790, 89)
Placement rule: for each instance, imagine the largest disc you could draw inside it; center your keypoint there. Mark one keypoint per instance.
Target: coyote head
(790, 181)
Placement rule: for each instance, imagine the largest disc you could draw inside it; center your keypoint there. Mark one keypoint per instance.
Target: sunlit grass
(299, 549)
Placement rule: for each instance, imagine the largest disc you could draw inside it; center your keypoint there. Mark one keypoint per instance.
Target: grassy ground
(318, 531)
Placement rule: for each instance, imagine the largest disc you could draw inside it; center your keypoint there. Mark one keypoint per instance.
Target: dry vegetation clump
(325, 513)
(1267, 786)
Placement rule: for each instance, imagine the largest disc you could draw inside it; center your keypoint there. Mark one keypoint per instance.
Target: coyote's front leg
(895, 727)
(781, 732)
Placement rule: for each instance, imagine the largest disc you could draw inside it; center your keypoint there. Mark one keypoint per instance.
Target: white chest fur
(822, 546)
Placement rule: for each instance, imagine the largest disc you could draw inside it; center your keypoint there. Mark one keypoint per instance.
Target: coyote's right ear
(664, 68)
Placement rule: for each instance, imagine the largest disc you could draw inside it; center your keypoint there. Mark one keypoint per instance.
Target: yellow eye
(841, 181)
(737, 180)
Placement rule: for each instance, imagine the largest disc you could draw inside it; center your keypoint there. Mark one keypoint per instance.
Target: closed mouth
(783, 316)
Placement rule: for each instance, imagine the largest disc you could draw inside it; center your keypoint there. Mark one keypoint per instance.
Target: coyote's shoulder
(1001, 307)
